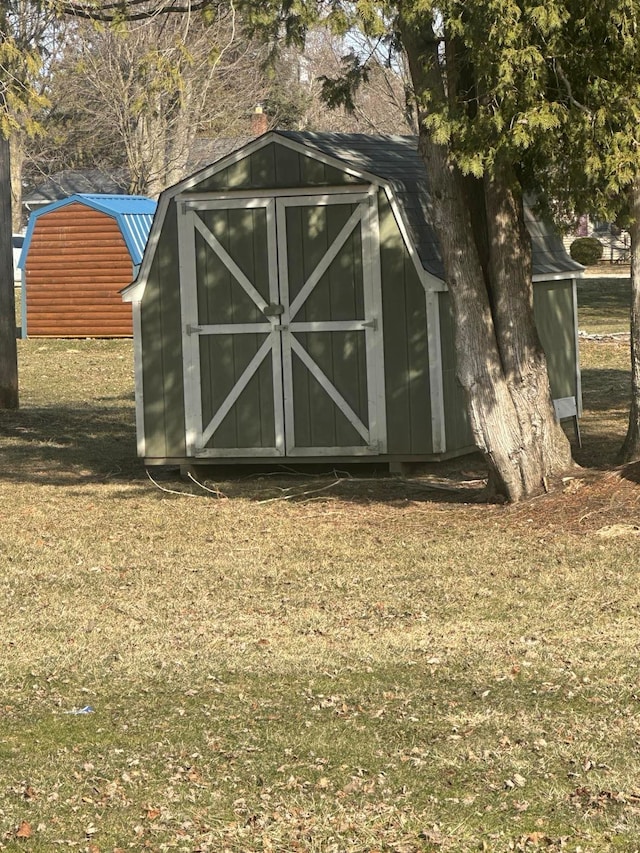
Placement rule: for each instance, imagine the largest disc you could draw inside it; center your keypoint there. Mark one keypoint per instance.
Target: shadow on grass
(457, 481)
(69, 444)
(605, 296)
(604, 389)
(77, 443)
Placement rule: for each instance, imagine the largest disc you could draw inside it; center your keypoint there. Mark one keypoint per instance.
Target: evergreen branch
(567, 84)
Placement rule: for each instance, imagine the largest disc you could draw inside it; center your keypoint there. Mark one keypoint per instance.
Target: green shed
(291, 305)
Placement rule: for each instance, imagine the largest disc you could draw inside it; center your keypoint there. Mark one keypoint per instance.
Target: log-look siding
(77, 263)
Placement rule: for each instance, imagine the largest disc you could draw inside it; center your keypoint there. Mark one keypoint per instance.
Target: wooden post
(8, 347)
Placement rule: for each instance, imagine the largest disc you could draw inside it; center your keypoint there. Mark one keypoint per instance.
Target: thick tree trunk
(500, 363)
(8, 347)
(630, 450)
(499, 429)
(546, 447)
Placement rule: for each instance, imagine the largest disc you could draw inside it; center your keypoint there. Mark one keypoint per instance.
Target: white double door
(282, 327)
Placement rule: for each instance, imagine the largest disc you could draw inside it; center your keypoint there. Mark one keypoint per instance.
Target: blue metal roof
(133, 213)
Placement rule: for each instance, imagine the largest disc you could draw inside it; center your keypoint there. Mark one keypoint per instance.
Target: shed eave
(560, 275)
(133, 292)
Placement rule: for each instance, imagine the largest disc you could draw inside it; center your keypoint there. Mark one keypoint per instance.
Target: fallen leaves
(516, 781)
(24, 830)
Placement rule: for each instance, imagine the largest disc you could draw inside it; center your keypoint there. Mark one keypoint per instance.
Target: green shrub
(586, 250)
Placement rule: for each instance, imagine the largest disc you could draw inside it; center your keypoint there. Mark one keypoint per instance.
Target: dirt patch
(589, 503)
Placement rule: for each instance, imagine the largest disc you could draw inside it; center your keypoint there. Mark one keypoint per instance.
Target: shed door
(282, 336)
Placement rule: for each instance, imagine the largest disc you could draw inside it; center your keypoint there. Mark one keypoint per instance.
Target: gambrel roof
(394, 163)
(133, 214)
(396, 160)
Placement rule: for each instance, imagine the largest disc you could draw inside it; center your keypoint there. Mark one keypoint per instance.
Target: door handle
(274, 309)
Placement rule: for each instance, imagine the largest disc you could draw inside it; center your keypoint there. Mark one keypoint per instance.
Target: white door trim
(280, 327)
(199, 434)
(365, 214)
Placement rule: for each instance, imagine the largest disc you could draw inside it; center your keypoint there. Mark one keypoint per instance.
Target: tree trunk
(8, 347)
(630, 450)
(16, 152)
(499, 360)
(545, 445)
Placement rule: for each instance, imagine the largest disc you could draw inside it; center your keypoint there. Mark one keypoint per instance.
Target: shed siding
(77, 263)
(162, 344)
(406, 355)
(277, 167)
(553, 308)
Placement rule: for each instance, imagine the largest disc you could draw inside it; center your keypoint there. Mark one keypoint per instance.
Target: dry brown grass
(368, 664)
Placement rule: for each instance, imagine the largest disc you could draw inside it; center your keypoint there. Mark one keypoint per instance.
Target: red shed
(78, 254)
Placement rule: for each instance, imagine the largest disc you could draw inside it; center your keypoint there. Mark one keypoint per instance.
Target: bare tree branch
(129, 10)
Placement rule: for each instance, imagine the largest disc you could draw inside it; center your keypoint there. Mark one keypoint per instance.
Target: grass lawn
(329, 664)
(604, 304)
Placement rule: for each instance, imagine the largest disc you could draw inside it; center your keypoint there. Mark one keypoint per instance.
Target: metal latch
(193, 330)
(274, 309)
(371, 324)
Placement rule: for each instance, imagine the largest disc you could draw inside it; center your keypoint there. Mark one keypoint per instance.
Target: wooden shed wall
(406, 355)
(76, 264)
(275, 166)
(404, 313)
(554, 316)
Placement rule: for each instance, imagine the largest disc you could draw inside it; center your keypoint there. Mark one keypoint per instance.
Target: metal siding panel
(553, 309)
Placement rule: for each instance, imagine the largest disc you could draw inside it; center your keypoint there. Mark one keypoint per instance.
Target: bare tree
(383, 101)
(150, 87)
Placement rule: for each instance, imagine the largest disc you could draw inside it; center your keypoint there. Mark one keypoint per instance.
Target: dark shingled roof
(71, 182)
(204, 151)
(395, 159)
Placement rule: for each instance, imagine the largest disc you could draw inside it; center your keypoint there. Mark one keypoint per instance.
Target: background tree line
(133, 98)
